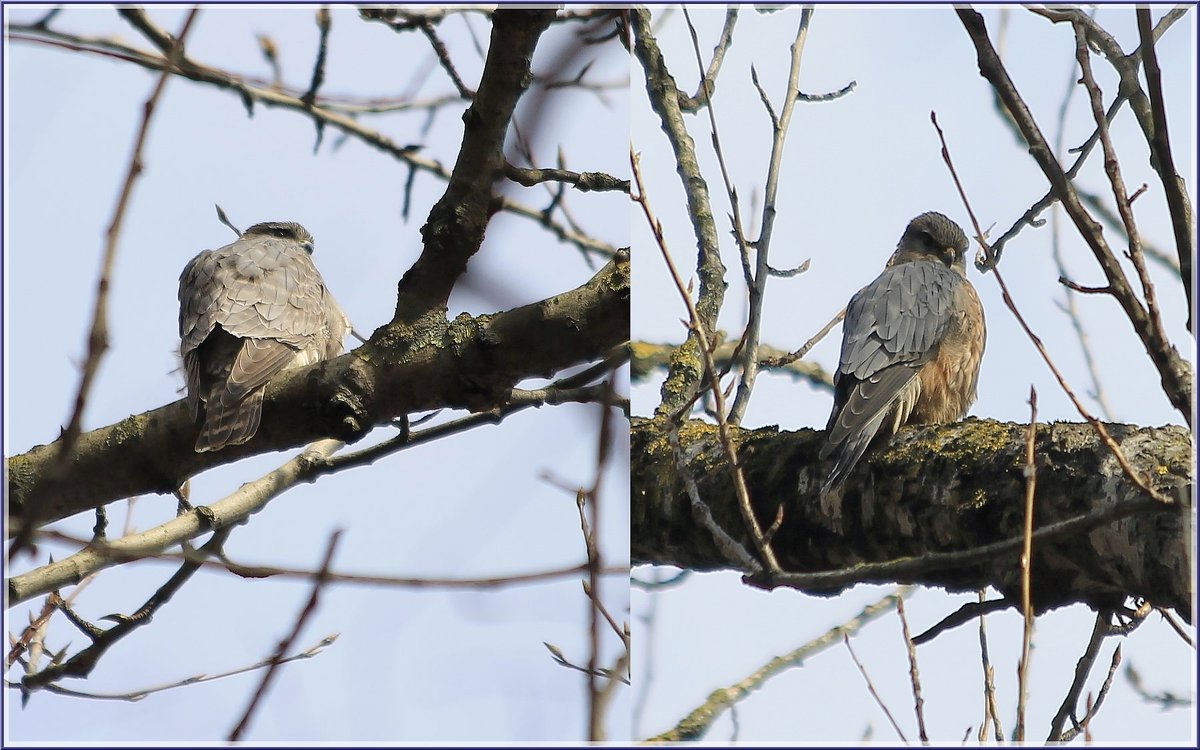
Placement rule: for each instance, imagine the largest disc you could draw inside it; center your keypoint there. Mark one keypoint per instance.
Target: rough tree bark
(930, 491)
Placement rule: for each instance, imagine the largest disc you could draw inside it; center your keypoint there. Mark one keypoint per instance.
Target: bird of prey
(247, 311)
(912, 342)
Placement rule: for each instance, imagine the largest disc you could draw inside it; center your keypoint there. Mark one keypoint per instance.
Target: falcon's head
(932, 236)
(284, 230)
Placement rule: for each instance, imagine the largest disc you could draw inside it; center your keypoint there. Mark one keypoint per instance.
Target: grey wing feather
(892, 328)
(230, 426)
(256, 363)
(259, 287)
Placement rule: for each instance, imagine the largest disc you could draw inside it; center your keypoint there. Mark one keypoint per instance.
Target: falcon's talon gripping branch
(248, 311)
(911, 344)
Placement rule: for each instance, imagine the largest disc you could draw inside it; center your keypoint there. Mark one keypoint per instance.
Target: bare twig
(137, 695)
(664, 583)
(225, 220)
(271, 52)
(318, 75)
(730, 548)
(735, 213)
(1173, 370)
(803, 350)
(443, 56)
(98, 336)
(1163, 161)
(648, 357)
(914, 675)
(598, 698)
(762, 245)
(338, 117)
(221, 516)
(410, 18)
(31, 639)
(708, 79)
(582, 181)
(871, 687)
(286, 644)
(1070, 307)
(915, 565)
(697, 722)
(1120, 195)
(1176, 626)
(990, 709)
(588, 394)
(1084, 724)
(647, 642)
(559, 657)
(159, 37)
(1027, 568)
(83, 662)
(1136, 618)
(701, 334)
(244, 570)
(686, 376)
(1129, 71)
(1082, 668)
(830, 96)
(1096, 424)
(618, 675)
(962, 616)
(1109, 217)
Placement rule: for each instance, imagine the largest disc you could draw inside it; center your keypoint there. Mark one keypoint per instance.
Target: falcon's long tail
(230, 423)
(849, 451)
(874, 409)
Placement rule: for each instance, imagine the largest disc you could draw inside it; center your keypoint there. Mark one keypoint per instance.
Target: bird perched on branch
(912, 342)
(248, 311)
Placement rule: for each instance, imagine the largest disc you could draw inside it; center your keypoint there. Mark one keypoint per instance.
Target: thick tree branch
(930, 493)
(456, 224)
(470, 362)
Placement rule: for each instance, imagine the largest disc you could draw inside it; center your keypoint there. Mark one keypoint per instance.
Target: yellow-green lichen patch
(122, 431)
(974, 440)
(977, 501)
(465, 328)
(970, 442)
(397, 343)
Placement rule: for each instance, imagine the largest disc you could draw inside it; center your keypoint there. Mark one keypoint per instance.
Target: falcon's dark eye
(308, 247)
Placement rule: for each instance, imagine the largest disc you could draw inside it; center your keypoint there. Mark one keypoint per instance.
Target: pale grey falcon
(248, 311)
(912, 343)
